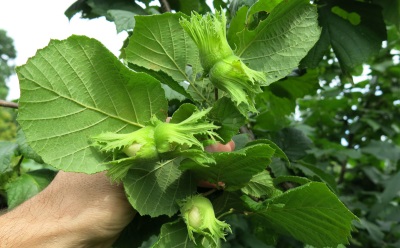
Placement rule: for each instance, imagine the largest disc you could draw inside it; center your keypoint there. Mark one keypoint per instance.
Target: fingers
(218, 147)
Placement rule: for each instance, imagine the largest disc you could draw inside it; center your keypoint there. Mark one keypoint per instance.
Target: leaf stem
(216, 93)
(7, 104)
(226, 213)
(209, 192)
(18, 165)
(248, 131)
(165, 6)
(199, 93)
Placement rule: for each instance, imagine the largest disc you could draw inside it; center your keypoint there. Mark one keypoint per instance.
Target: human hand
(75, 210)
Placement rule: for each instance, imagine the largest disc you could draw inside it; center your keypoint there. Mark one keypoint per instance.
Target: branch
(7, 104)
(248, 131)
(165, 5)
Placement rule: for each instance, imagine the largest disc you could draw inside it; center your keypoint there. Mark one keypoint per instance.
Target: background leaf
(7, 152)
(383, 150)
(124, 20)
(27, 185)
(76, 89)
(352, 43)
(25, 149)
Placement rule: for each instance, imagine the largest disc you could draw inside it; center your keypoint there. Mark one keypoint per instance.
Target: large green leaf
(155, 189)
(310, 213)
(27, 185)
(278, 43)
(234, 169)
(159, 43)
(75, 89)
(354, 29)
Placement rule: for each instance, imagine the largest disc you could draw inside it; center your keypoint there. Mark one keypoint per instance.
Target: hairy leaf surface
(154, 189)
(310, 213)
(159, 43)
(75, 89)
(234, 169)
(278, 43)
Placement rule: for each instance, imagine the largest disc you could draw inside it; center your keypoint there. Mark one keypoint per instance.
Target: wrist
(36, 224)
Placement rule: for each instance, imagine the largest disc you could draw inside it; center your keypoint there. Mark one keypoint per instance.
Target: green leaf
(310, 213)
(278, 151)
(144, 229)
(124, 20)
(75, 89)
(352, 43)
(175, 234)
(183, 112)
(225, 114)
(279, 100)
(373, 230)
(241, 140)
(7, 152)
(27, 185)
(97, 8)
(159, 43)
(383, 150)
(292, 179)
(278, 43)
(315, 172)
(391, 11)
(25, 149)
(203, 91)
(155, 189)
(227, 201)
(260, 185)
(392, 189)
(233, 169)
(237, 24)
(261, 5)
(164, 79)
(293, 142)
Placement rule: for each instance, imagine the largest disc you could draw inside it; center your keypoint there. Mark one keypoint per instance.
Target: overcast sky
(31, 24)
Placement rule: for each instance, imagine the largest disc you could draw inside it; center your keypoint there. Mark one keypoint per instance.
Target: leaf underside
(75, 89)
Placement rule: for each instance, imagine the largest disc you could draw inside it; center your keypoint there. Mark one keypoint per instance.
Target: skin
(75, 210)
